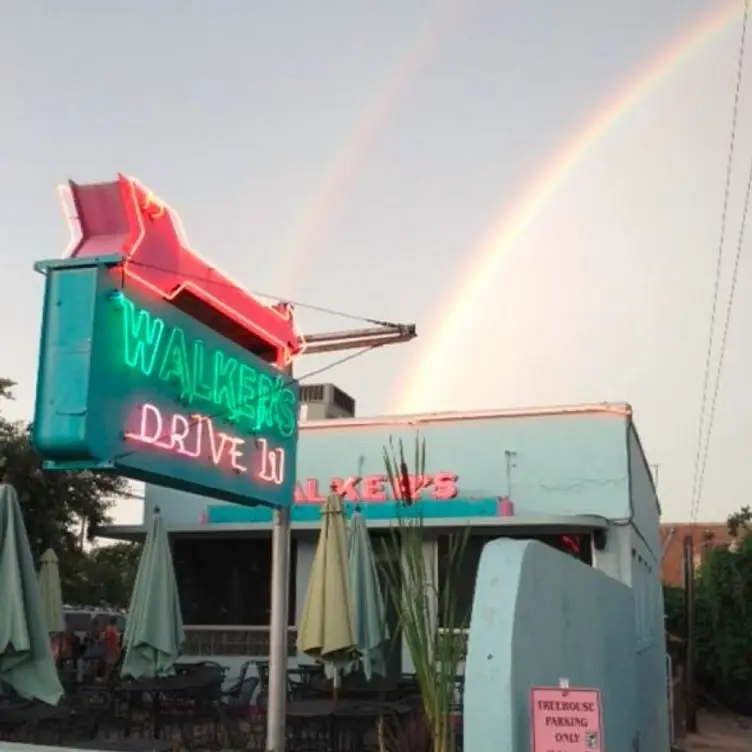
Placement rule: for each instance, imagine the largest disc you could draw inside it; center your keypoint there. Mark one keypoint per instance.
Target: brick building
(704, 536)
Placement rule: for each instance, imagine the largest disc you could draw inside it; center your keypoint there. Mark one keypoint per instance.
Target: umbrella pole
(280, 591)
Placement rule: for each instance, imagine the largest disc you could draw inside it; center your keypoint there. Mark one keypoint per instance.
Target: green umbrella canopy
(26, 662)
(326, 628)
(50, 593)
(154, 633)
(369, 613)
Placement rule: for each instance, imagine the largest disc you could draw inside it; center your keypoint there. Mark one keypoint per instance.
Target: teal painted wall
(540, 616)
(648, 594)
(565, 464)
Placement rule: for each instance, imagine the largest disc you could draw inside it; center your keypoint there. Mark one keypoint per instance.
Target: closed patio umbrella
(326, 630)
(369, 613)
(26, 662)
(154, 633)
(50, 593)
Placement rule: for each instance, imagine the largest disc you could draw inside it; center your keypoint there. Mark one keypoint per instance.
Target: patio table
(122, 745)
(336, 717)
(384, 690)
(18, 715)
(189, 684)
(323, 707)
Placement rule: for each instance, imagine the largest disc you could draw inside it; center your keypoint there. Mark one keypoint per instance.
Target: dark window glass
(459, 557)
(226, 582)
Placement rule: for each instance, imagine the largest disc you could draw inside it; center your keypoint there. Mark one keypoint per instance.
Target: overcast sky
(358, 155)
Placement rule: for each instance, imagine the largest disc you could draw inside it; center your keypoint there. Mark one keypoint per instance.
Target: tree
(104, 576)
(55, 504)
(740, 522)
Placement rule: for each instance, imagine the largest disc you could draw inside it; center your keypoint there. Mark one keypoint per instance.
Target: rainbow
(332, 188)
(424, 381)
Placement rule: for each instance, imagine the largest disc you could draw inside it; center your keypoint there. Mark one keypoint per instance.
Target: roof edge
(616, 409)
(633, 430)
(565, 521)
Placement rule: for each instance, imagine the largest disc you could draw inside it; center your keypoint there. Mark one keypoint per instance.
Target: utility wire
(694, 500)
(340, 361)
(309, 374)
(724, 337)
(296, 303)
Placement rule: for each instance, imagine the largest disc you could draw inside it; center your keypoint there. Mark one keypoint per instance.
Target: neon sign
(196, 437)
(125, 218)
(130, 383)
(376, 488)
(200, 372)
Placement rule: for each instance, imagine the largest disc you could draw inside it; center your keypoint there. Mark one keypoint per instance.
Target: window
(464, 567)
(227, 581)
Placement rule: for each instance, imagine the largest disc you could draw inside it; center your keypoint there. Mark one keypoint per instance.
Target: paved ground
(721, 734)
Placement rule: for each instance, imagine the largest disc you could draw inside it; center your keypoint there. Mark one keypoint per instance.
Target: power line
(296, 303)
(341, 361)
(694, 500)
(351, 356)
(724, 338)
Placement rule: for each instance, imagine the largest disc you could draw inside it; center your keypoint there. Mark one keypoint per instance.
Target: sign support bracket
(280, 586)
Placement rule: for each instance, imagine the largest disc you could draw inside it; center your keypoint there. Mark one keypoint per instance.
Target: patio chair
(90, 709)
(238, 680)
(237, 713)
(262, 668)
(238, 699)
(199, 712)
(256, 735)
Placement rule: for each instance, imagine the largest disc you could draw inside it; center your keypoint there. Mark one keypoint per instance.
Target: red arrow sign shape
(124, 217)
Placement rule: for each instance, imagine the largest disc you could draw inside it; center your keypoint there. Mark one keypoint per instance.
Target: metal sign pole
(275, 725)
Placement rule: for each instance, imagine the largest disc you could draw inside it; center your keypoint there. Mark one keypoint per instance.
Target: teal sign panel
(129, 383)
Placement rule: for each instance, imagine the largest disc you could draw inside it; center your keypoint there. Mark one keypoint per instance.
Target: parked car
(79, 619)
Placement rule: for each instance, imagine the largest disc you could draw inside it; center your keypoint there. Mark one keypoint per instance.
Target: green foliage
(673, 604)
(740, 522)
(55, 505)
(412, 588)
(102, 576)
(722, 619)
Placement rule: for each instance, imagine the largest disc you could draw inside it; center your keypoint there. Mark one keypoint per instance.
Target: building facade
(575, 478)
(705, 536)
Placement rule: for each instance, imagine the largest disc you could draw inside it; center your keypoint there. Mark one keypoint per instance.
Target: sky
(367, 156)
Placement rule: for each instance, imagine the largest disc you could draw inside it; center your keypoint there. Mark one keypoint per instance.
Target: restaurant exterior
(574, 477)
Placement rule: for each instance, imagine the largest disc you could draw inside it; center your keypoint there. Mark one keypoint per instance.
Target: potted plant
(436, 654)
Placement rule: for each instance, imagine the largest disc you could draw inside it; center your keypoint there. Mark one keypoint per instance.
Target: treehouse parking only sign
(566, 720)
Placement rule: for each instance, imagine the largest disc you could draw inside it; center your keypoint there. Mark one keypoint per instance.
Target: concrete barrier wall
(539, 617)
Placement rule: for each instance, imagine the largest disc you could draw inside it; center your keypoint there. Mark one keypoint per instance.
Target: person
(74, 647)
(74, 652)
(93, 649)
(111, 643)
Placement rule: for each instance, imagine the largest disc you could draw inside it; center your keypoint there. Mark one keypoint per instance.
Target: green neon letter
(201, 386)
(247, 393)
(175, 363)
(264, 417)
(224, 383)
(285, 415)
(142, 334)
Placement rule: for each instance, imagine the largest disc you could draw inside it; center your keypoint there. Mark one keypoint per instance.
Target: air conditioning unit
(325, 402)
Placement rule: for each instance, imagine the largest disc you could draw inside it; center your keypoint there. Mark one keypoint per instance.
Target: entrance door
(387, 552)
